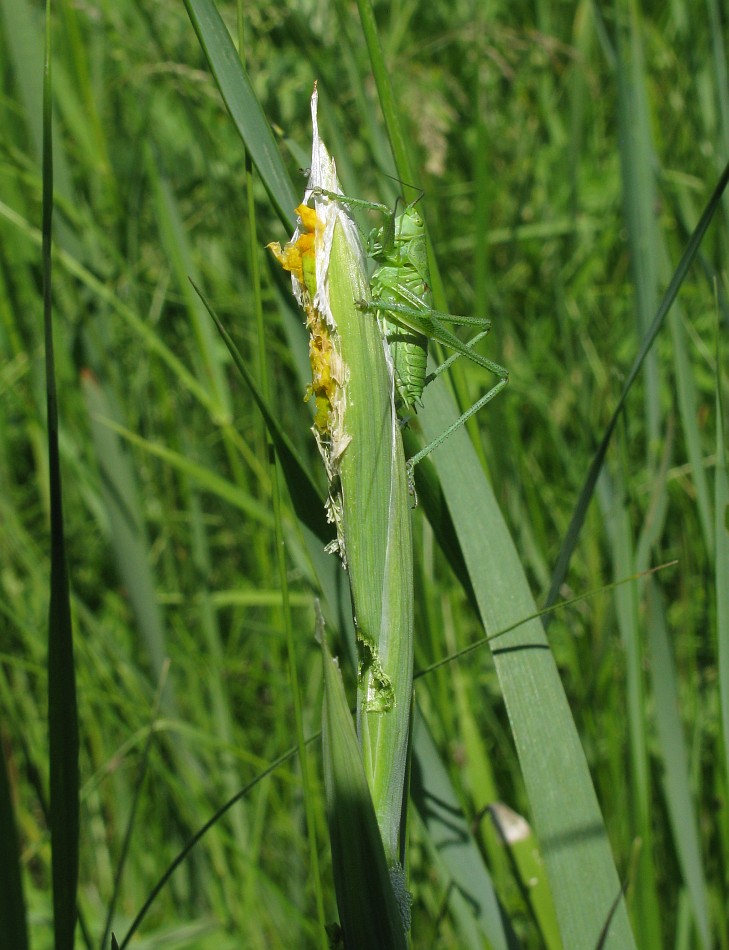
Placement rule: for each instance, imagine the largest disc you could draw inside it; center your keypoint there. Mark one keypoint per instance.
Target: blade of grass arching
(127, 531)
(566, 815)
(87, 125)
(204, 477)
(12, 900)
(357, 64)
(473, 901)
(200, 833)
(639, 196)
(306, 499)
(25, 50)
(385, 92)
(207, 350)
(721, 85)
(721, 555)
(136, 797)
(311, 502)
(564, 810)
(648, 256)
(676, 780)
(218, 689)
(110, 297)
(307, 502)
(638, 793)
(484, 184)
(63, 738)
(528, 870)
(578, 516)
(287, 757)
(130, 545)
(243, 106)
(688, 406)
(368, 909)
(254, 251)
(432, 502)
(294, 678)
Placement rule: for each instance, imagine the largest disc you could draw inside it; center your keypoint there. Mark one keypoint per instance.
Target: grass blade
(473, 901)
(124, 852)
(241, 102)
(578, 516)
(572, 836)
(677, 784)
(12, 900)
(551, 757)
(639, 197)
(368, 910)
(129, 541)
(721, 568)
(62, 710)
(627, 607)
(385, 91)
(308, 503)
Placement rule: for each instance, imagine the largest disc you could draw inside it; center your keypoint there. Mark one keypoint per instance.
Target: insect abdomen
(409, 357)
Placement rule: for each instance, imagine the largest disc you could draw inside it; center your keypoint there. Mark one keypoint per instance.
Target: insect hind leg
(446, 364)
(503, 375)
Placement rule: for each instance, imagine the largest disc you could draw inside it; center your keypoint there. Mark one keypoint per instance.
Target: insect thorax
(407, 347)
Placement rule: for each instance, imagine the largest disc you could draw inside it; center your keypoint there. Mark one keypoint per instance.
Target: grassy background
(565, 155)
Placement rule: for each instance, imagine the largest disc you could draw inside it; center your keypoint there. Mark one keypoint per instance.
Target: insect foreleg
(352, 202)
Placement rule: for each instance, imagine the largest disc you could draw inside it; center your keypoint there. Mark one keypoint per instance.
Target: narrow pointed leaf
(368, 911)
(241, 102)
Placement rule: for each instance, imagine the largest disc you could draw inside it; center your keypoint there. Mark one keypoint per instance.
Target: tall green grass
(566, 154)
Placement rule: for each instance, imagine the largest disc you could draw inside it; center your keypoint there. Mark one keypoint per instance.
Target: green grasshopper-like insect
(403, 303)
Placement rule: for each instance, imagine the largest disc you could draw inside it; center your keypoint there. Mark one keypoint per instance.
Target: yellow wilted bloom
(298, 257)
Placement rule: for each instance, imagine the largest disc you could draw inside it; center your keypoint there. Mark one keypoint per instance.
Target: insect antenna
(406, 184)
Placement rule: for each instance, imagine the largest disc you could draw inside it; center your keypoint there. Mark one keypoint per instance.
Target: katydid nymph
(403, 303)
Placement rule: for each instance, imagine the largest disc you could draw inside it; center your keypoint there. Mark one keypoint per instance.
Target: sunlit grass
(543, 184)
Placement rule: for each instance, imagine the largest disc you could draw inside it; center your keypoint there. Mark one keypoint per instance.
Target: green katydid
(402, 301)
